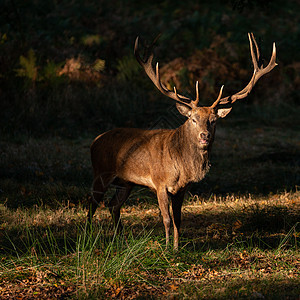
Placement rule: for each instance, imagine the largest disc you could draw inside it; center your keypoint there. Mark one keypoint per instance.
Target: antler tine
(219, 98)
(179, 100)
(168, 93)
(195, 102)
(259, 71)
(255, 57)
(147, 49)
(147, 61)
(136, 50)
(155, 76)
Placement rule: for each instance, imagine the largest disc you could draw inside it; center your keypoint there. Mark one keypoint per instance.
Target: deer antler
(258, 72)
(155, 76)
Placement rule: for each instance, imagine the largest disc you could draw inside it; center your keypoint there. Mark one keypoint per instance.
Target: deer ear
(223, 112)
(184, 109)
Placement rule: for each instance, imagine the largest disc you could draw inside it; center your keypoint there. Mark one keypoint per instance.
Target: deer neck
(189, 154)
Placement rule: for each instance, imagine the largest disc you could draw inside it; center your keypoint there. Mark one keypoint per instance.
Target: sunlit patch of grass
(261, 221)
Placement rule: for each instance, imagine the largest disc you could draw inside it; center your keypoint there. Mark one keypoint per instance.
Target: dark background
(67, 67)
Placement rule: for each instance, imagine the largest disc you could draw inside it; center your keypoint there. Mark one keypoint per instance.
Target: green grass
(224, 255)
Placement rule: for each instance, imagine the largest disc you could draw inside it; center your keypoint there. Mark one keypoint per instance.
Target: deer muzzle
(204, 138)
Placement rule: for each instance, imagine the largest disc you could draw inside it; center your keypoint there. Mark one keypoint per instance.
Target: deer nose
(205, 135)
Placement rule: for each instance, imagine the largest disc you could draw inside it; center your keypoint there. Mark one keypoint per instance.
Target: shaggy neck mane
(188, 154)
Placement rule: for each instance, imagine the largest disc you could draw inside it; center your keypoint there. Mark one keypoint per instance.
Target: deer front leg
(177, 200)
(163, 202)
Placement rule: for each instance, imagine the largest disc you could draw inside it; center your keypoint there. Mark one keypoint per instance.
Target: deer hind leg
(177, 201)
(163, 201)
(122, 193)
(100, 185)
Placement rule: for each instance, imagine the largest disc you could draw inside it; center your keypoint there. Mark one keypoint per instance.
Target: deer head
(202, 119)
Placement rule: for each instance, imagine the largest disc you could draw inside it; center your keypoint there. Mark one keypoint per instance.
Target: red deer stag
(165, 160)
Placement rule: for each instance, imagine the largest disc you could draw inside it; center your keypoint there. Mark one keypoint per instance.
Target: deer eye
(194, 121)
